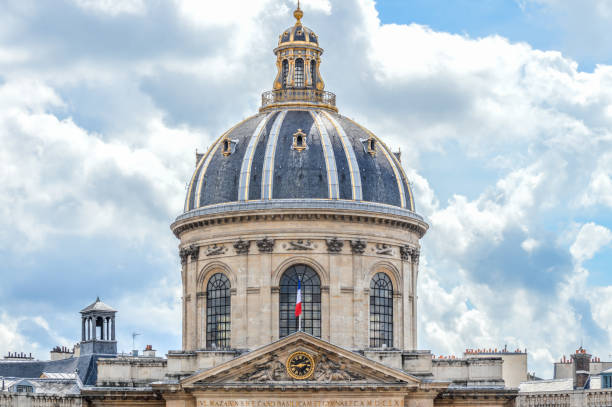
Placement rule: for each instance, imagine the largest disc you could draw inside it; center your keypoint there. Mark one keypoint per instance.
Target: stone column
(113, 328)
(82, 329)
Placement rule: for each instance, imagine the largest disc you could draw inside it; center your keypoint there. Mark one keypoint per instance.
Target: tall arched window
(381, 311)
(218, 312)
(285, 72)
(299, 73)
(313, 73)
(311, 301)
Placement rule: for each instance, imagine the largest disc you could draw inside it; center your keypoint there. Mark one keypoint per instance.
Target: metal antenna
(134, 335)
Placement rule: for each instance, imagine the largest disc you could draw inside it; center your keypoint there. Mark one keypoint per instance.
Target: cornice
(210, 220)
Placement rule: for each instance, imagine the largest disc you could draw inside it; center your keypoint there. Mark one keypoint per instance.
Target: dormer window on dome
(298, 80)
(228, 146)
(299, 140)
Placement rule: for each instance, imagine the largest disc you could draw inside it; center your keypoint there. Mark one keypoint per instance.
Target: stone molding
(415, 225)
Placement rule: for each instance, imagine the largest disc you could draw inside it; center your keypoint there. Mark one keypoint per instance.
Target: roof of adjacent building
(546, 385)
(256, 161)
(56, 387)
(83, 366)
(98, 305)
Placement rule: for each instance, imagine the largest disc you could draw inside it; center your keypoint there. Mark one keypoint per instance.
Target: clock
(300, 365)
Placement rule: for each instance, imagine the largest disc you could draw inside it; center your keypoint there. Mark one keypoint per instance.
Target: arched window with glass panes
(285, 72)
(311, 301)
(381, 311)
(299, 73)
(218, 312)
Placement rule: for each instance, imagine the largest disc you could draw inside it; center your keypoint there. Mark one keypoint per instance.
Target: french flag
(298, 300)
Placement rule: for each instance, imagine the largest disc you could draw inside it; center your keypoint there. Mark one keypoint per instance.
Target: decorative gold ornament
(298, 14)
(300, 365)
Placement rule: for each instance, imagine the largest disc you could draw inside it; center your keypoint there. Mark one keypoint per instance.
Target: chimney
(149, 352)
(582, 367)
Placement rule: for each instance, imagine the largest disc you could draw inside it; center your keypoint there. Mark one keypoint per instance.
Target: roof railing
(296, 97)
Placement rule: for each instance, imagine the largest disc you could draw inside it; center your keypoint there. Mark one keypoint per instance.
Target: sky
(502, 110)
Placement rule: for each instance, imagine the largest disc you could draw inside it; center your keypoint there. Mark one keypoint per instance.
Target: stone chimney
(149, 352)
(582, 368)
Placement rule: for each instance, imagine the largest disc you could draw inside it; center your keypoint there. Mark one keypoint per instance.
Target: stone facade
(345, 275)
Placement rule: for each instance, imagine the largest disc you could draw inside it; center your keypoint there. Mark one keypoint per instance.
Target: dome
(298, 153)
(298, 33)
(305, 154)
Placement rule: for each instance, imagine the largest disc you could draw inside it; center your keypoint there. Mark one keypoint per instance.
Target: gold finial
(298, 14)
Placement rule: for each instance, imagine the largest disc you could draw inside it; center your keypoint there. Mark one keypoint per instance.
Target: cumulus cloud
(507, 148)
(591, 238)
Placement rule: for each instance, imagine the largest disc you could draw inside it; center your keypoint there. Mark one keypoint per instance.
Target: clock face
(300, 365)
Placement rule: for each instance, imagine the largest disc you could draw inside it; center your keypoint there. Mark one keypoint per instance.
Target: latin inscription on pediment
(310, 402)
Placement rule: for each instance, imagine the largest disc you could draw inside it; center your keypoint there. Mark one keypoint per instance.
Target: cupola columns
(298, 80)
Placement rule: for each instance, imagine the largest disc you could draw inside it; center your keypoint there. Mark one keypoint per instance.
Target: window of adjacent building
(299, 73)
(285, 72)
(381, 311)
(311, 301)
(218, 312)
(24, 389)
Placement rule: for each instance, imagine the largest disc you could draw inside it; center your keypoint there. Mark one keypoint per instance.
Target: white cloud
(103, 145)
(529, 244)
(113, 7)
(591, 238)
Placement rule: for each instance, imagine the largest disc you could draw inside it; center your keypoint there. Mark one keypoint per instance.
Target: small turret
(98, 329)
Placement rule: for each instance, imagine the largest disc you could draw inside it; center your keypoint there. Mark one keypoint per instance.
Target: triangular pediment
(330, 365)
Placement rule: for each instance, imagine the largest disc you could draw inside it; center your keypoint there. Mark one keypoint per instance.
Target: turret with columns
(98, 329)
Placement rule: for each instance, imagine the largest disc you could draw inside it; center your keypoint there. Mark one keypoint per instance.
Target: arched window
(218, 312)
(311, 301)
(285, 72)
(299, 73)
(313, 73)
(381, 311)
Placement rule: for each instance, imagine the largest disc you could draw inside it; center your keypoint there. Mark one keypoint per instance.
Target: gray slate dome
(258, 160)
(298, 152)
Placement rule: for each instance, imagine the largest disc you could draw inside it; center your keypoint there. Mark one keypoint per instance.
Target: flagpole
(300, 323)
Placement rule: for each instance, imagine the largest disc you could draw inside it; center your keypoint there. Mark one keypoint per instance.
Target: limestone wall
(39, 400)
(254, 276)
(130, 371)
(469, 371)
